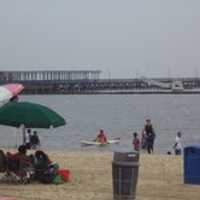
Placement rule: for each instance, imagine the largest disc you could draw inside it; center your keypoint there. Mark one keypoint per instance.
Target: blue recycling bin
(192, 164)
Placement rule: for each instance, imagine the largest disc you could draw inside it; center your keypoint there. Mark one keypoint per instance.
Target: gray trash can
(125, 168)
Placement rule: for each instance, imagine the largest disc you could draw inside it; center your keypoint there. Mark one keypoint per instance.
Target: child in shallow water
(136, 142)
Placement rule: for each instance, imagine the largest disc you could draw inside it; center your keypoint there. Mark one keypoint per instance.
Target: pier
(89, 82)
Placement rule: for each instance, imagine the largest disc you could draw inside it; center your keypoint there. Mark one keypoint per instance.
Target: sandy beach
(160, 178)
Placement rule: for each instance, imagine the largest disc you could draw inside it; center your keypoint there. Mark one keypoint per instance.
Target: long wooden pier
(89, 82)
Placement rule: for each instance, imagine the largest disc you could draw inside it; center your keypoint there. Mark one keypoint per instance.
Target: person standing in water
(143, 141)
(150, 136)
(27, 138)
(136, 142)
(34, 141)
(178, 144)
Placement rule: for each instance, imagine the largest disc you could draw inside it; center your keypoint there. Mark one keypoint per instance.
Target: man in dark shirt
(35, 141)
(150, 136)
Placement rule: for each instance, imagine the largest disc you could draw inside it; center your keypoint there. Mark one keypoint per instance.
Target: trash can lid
(126, 156)
(192, 146)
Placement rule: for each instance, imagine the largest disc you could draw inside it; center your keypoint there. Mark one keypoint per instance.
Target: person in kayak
(101, 137)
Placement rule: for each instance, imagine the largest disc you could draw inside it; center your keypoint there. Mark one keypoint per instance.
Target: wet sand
(160, 178)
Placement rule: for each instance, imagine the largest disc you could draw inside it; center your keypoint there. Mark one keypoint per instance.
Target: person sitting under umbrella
(19, 164)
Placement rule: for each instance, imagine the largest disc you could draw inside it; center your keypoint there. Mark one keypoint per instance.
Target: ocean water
(119, 116)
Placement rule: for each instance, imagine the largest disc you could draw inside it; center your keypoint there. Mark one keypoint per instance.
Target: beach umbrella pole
(23, 134)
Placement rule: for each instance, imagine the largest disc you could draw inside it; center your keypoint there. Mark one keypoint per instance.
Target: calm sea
(119, 116)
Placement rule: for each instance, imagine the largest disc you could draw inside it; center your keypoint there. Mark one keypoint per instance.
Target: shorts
(177, 151)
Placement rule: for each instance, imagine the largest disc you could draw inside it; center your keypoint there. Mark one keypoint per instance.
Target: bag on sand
(46, 178)
(65, 174)
(57, 180)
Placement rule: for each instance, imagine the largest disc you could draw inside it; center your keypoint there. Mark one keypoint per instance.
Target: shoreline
(123, 92)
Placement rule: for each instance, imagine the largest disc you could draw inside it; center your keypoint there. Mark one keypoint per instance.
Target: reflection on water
(119, 116)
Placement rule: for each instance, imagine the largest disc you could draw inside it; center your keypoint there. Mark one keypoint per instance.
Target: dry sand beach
(160, 178)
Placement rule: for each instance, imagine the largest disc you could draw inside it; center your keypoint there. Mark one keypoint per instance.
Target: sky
(123, 38)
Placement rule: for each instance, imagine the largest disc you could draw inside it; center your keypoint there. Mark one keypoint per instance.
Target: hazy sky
(129, 38)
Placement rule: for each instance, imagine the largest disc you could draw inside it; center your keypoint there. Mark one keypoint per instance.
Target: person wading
(178, 144)
(150, 136)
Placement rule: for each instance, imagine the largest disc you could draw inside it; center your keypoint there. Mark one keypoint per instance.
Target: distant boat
(177, 86)
(151, 82)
